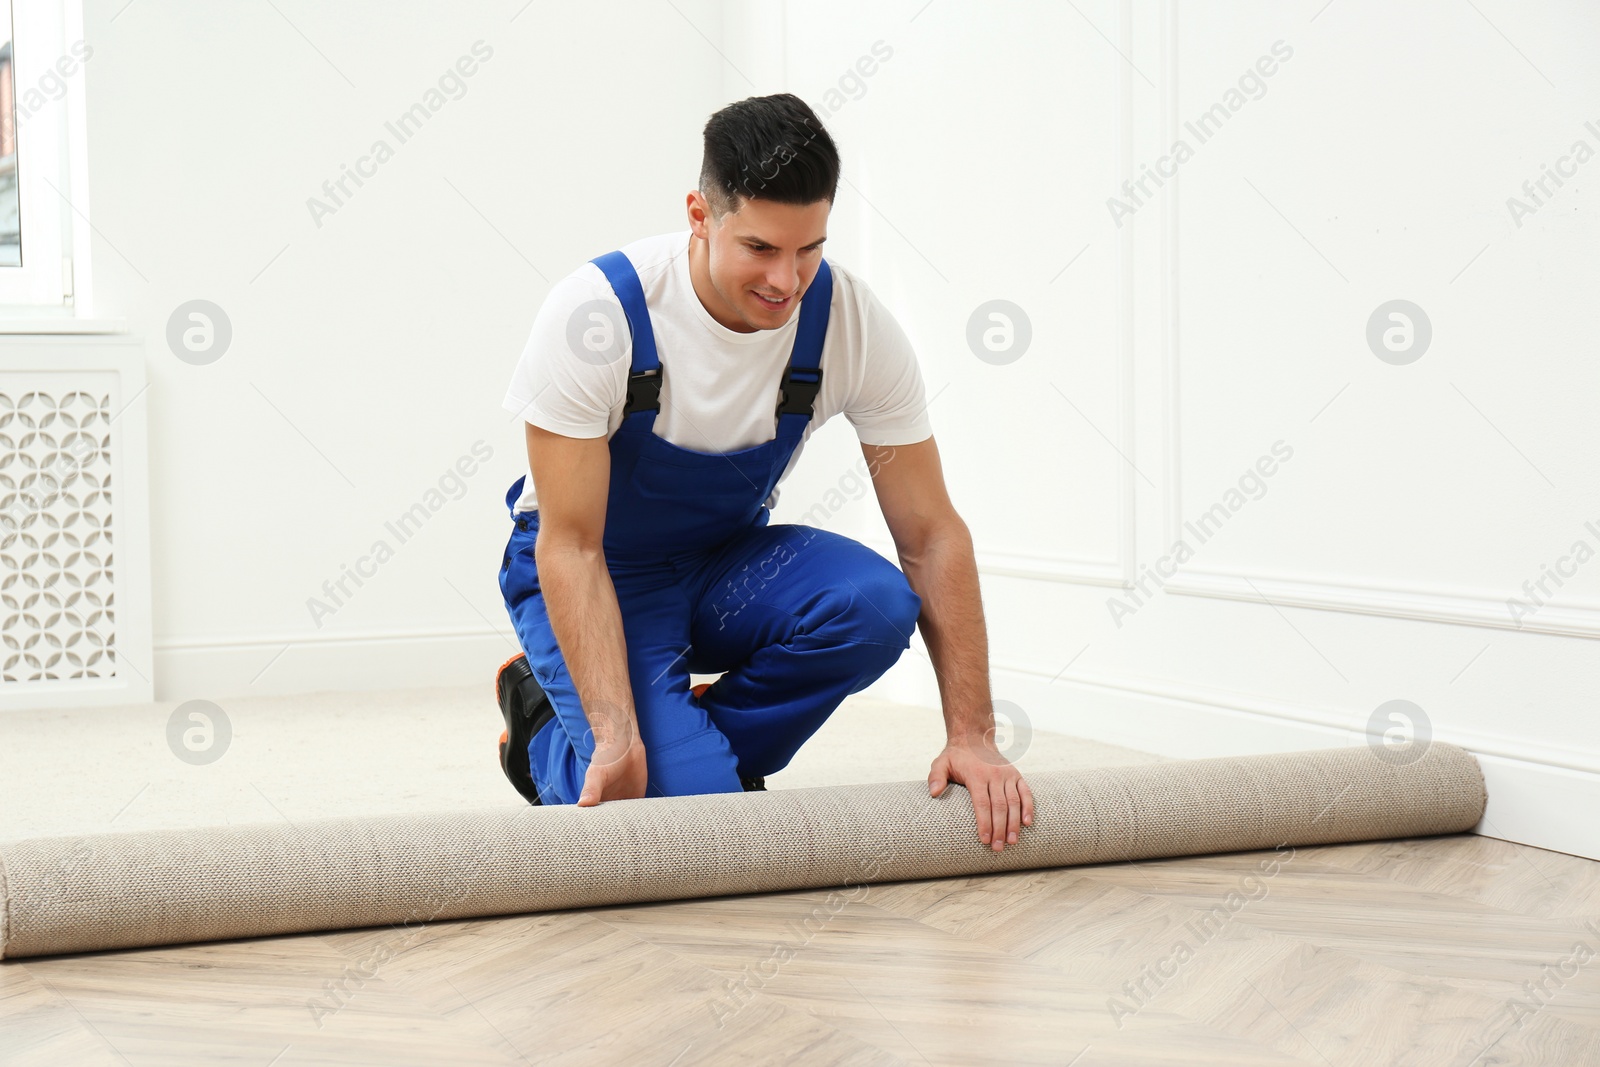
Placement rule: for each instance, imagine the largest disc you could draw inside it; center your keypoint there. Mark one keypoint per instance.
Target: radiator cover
(74, 551)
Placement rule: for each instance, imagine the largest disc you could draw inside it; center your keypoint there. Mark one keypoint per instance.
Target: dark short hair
(767, 148)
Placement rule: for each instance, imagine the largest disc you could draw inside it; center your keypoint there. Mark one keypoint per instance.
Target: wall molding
(1172, 498)
(1127, 316)
(1040, 566)
(1421, 603)
(1053, 568)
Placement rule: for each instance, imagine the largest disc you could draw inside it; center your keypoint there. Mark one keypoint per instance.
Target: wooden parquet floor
(1458, 950)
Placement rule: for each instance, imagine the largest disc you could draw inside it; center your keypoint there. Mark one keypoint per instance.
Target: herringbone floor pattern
(1451, 950)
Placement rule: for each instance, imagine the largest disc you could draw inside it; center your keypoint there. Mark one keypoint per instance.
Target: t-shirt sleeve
(891, 407)
(573, 369)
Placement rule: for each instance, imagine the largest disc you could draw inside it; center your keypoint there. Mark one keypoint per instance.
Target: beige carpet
(100, 770)
(69, 887)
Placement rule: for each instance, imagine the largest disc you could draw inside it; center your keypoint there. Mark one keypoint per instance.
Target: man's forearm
(944, 573)
(584, 616)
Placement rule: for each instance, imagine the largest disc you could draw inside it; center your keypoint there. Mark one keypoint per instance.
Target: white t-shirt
(720, 387)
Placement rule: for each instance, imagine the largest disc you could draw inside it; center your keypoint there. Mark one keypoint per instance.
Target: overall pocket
(717, 480)
(519, 573)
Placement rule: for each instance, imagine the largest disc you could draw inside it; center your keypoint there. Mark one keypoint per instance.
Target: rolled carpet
(105, 891)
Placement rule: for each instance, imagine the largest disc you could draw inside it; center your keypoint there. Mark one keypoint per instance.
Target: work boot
(525, 709)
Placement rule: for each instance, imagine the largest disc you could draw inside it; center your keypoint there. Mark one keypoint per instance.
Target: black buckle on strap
(644, 392)
(798, 396)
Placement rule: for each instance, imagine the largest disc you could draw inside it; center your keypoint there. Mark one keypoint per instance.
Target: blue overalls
(798, 617)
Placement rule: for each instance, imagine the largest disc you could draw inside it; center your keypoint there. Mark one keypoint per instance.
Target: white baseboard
(1540, 797)
(213, 669)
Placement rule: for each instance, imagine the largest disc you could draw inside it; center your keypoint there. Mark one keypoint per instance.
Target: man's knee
(883, 608)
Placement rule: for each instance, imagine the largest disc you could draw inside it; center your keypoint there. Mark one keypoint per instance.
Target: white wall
(1228, 313)
(369, 353)
(1168, 354)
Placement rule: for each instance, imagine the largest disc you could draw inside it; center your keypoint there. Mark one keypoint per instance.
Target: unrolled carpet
(104, 891)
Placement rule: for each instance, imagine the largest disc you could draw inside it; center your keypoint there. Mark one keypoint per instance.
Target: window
(43, 175)
(10, 220)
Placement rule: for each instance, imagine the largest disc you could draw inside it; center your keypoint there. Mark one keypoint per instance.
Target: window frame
(52, 185)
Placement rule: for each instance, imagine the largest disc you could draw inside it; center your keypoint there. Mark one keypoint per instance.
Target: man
(667, 388)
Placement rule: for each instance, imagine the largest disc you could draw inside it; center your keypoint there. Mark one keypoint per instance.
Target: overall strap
(644, 378)
(802, 378)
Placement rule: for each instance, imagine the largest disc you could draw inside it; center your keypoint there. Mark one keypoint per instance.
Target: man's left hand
(1002, 803)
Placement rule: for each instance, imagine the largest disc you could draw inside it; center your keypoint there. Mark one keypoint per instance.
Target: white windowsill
(28, 322)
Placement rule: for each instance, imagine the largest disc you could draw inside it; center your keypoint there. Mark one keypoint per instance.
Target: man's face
(763, 250)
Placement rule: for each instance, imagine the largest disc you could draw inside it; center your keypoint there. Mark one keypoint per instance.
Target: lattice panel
(56, 577)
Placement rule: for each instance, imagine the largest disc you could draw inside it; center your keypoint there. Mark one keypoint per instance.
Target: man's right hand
(617, 771)
(571, 476)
